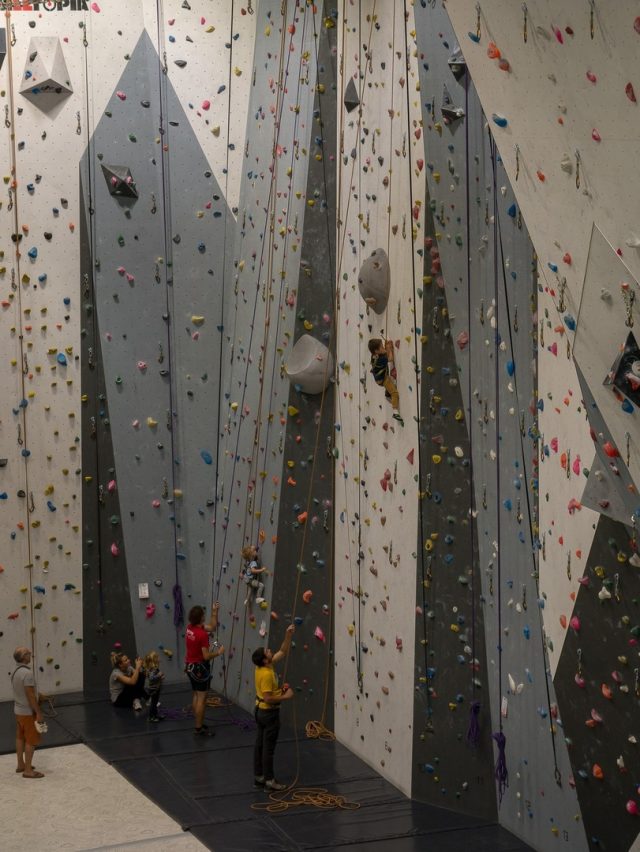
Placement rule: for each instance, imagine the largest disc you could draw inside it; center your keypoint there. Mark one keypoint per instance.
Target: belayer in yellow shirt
(269, 696)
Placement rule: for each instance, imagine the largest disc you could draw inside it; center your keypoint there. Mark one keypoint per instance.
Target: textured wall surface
(569, 149)
(376, 474)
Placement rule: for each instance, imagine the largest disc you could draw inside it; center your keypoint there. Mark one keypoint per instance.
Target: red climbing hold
(591, 77)
(610, 450)
(410, 456)
(566, 258)
(541, 176)
(629, 92)
(636, 25)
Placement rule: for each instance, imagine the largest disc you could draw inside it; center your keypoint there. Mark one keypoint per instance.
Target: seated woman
(126, 682)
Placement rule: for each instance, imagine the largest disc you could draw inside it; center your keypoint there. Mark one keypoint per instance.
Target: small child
(154, 684)
(251, 574)
(381, 358)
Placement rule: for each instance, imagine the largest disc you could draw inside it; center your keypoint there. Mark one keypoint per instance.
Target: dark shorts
(199, 675)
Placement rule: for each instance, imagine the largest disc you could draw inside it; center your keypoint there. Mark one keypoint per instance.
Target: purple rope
(178, 608)
(501, 773)
(473, 731)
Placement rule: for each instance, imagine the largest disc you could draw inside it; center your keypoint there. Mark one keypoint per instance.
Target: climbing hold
(500, 120)
(310, 365)
(206, 456)
(351, 99)
(374, 281)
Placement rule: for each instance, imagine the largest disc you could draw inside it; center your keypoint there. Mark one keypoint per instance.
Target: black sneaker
(204, 732)
(156, 718)
(258, 781)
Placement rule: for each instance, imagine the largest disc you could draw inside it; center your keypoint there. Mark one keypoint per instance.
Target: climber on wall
(381, 364)
(251, 571)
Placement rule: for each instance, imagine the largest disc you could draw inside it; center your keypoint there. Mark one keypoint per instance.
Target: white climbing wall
(41, 580)
(42, 577)
(376, 486)
(575, 90)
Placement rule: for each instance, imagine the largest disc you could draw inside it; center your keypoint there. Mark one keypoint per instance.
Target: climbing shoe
(258, 781)
(274, 785)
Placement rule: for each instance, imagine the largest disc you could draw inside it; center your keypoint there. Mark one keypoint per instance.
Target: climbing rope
(165, 165)
(424, 574)
(16, 286)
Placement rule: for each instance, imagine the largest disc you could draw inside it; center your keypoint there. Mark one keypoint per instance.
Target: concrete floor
(81, 804)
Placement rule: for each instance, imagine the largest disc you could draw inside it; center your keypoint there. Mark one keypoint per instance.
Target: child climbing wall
(378, 256)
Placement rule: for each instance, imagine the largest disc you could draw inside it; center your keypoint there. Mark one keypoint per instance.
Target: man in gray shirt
(27, 712)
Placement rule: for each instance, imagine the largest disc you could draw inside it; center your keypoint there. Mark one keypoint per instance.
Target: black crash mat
(57, 734)
(206, 784)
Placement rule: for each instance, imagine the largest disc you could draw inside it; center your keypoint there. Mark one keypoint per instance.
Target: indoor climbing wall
(303, 584)
(132, 277)
(380, 211)
(255, 465)
(567, 157)
(43, 98)
(488, 280)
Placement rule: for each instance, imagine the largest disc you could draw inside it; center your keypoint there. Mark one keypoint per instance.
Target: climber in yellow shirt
(269, 696)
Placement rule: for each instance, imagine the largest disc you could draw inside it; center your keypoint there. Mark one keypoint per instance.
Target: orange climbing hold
(493, 51)
(597, 772)
(541, 176)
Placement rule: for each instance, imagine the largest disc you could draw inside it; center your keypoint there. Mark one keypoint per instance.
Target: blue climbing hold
(511, 368)
(627, 407)
(33, 253)
(61, 358)
(50, 506)
(206, 456)
(500, 120)
(512, 211)
(570, 322)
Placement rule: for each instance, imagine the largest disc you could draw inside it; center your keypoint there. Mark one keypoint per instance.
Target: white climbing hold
(374, 281)
(310, 365)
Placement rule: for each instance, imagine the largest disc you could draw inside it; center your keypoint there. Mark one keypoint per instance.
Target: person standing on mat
(269, 696)
(198, 661)
(27, 712)
(126, 682)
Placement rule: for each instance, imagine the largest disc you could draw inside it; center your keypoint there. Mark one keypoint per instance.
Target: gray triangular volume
(351, 99)
(374, 281)
(45, 80)
(120, 181)
(449, 111)
(457, 63)
(3, 45)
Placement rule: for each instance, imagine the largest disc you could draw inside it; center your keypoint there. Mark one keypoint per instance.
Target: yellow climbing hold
(292, 410)
(459, 415)
(436, 459)
(151, 423)
(234, 406)
(197, 320)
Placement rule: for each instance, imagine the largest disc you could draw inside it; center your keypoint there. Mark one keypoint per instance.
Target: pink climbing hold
(111, 486)
(554, 348)
(553, 443)
(576, 465)
(206, 105)
(591, 77)
(632, 807)
(574, 624)
(596, 136)
(319, 634)
(462, 339)
(115, 550)
(150, 610)
(156, 504)
(558, 34)
(121, 95)
(398, 643)
(95, 8)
